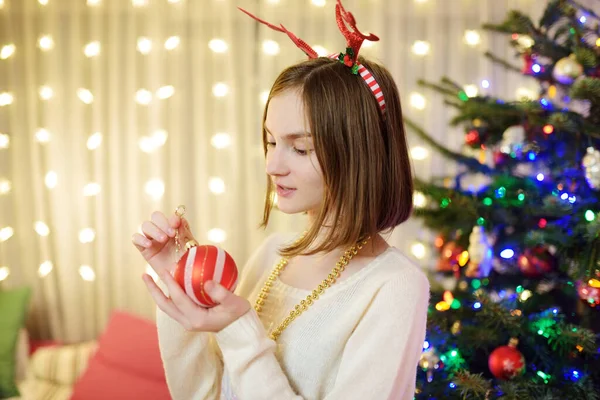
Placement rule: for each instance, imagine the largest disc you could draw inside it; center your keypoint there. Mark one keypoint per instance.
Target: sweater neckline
(302, 293)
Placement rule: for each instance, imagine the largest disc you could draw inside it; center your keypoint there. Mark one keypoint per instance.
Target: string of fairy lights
(154, 188)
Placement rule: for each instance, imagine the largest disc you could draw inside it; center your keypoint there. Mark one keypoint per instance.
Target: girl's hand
(191, 316)
(157, 244)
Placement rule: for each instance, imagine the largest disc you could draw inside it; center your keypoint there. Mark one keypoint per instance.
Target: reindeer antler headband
(354, 40)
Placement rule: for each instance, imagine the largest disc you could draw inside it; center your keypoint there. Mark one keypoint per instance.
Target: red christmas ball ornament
(201, 264)
(506, 362)
(472, 138)
(536, 262)
(590, 293)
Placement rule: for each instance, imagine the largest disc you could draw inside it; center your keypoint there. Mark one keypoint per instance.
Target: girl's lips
(284, 192)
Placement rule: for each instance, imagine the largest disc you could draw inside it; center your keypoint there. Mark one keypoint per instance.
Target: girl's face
(291, 160)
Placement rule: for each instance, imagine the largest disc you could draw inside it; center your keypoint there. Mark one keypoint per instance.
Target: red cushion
(127, 363)
(103, 382)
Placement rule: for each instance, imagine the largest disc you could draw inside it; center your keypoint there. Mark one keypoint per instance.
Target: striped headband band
(354, 40)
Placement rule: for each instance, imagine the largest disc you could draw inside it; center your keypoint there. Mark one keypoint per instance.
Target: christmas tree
(519, 313)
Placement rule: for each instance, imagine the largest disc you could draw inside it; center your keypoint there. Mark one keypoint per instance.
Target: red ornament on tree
(506, 362)
(201, 264)
(536, 262)
(589, 293)
(472, 138)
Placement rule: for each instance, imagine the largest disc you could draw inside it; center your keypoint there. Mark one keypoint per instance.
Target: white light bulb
(7, 51)
(421, 47)
(155, 188)
(4, 273)
(51, 180)
(5, 99)
(87, 273)
(4, 141)
(85, 95)
(6, 233)
(42, 135)
(1, 4)
(159, 137)
(92, 49)
(220, 140)
(419, 199)
(165, 92)
(418, 250)
(270, 47)
(419, 153)
(94, 141)
(41, 228)
(319, 3)
(220, 90)
(264, 96)
(485, 84)
(46, 43)
(93, 2)
(45, 268)
(91, 189)
(216, 185)
(172, 42)
(471, 90)
(5, 186)
(46, 92)
(472, 38)
(139, 3)
(525, 295)
(368, 44)
(217, 235)
(143, 96)
(417, 100)
(144, 45)
(43, 2)
(146, 144)
(87, 235)
(218, 45)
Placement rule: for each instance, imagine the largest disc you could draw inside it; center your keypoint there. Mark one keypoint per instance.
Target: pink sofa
(123, 364)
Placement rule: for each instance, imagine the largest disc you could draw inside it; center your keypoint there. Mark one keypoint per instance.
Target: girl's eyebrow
(293, 135)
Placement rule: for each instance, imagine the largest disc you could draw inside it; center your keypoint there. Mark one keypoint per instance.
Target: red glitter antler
(301, 44)
(354, 38)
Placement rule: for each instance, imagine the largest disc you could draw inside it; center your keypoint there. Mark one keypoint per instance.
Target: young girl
(336, 312)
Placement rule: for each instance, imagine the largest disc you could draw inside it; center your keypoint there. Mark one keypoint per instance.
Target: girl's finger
(160, 220)
(178, 296)
(166, 305)
(153, 232)
(175, 221)
(140, 241)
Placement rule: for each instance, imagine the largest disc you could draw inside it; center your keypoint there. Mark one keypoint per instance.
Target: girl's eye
(300, 152)
(270, 144)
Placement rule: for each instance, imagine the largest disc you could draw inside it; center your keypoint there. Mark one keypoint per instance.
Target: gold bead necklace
(304, 304)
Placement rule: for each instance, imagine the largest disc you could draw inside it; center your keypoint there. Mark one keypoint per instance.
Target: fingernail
(171, 231)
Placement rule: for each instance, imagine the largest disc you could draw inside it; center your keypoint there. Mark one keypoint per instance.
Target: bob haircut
(363, 153)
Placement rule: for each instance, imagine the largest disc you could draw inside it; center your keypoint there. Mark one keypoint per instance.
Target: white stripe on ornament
(187, 276)
(219, 265)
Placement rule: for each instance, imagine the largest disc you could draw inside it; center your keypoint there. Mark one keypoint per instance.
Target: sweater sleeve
(192, 360)
(192, 367)
(379, 360)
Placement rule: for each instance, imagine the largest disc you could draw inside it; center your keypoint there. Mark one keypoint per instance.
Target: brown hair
(363, 154)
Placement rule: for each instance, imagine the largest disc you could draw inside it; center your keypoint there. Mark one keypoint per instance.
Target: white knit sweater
(361, 339)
